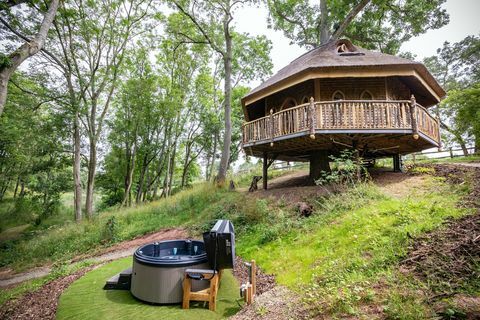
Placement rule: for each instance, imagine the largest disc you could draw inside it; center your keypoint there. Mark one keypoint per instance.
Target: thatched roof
(350, 57)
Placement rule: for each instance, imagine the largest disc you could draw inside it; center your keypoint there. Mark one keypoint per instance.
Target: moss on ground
(85, 299)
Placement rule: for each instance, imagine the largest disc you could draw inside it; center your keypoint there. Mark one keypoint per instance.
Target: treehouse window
(338, 95)
(288, 103)
(366, 95)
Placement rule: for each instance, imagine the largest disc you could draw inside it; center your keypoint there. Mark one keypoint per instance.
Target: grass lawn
(85, 299)
(354, 241)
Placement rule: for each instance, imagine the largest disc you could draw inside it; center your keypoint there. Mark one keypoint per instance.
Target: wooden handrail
(342, 114)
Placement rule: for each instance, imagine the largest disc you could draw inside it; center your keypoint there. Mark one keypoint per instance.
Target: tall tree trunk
(212, 165)
(92, 166)
(477, 145)
(16, 188)
(77, 202)
(22, 189)
(26, 50)
(227, 138)
(185, 164)
(324, 29)
(129, 176)
(457, 136)
(141, 179)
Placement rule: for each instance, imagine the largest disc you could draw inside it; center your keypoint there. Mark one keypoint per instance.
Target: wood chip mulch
(265, 281)
(448, 258)
(42, 303)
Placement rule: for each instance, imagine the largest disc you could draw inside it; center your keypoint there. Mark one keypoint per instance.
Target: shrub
(347, 169)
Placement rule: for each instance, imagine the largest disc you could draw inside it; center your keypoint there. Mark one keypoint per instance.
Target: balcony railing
(344, 115)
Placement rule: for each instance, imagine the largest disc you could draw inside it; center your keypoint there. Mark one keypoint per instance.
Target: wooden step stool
(209, 295)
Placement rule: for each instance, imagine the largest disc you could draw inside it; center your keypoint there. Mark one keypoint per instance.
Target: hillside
(366, 251)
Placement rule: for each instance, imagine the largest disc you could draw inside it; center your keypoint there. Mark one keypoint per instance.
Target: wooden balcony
(405, 117)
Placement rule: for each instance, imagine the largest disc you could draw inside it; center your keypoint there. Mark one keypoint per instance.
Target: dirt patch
(40, 304)
(397, 184)
(275, 304)
(291, 189)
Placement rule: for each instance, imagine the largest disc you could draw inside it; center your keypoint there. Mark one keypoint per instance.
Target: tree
(9, 64)
(381, 24)
(93, 38)
(210, 22)
(462, 105)
(457, 68)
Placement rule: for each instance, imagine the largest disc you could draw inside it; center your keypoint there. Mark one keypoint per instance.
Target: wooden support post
(312, 118)
(451, 152)
(318, 162)
(413, 114)
(397, 164)
(253, 279)
(265, 171)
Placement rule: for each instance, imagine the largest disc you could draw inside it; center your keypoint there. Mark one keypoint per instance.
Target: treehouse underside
(371, 143)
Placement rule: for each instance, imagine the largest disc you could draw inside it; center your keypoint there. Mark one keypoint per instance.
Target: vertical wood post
(413, 114)
(438, 133)
(312, 118)
(254, 277)
(451, 152)
(271, 127)
(397, 164)
(265, 171)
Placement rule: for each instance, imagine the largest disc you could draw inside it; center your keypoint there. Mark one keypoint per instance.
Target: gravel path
(117, 251)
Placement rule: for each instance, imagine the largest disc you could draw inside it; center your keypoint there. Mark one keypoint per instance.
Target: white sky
(464, 21)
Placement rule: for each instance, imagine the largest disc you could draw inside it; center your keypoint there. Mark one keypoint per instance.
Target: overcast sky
(464, 21)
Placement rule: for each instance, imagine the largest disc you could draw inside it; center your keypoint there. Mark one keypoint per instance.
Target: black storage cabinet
(220, 245)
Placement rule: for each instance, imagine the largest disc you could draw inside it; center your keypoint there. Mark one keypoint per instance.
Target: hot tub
(158, 270)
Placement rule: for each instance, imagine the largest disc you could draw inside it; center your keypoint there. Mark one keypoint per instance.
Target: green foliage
(64, 242)
(5, 61)
(382, 25)
(457, 68)
(110, 230)
(421, 170)
(353, 241)
(347, 169)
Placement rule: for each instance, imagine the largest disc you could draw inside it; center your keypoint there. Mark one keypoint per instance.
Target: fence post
(271, 127)
(413, 114)
(311, 111)
(451, 153)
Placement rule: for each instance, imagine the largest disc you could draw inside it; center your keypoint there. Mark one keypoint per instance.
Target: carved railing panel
(343, 114)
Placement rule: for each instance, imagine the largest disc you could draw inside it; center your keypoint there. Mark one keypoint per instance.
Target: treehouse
(341, 96)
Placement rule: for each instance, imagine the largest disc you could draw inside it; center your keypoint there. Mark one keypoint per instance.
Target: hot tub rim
(166, 263)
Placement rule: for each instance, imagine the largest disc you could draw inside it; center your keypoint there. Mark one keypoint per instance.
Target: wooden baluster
(319, 109)
(311, 112)
(271, 127)
(387, 109)
(439, 140)
(413, 112)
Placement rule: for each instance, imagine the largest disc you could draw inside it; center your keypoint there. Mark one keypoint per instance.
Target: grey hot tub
(158, 270)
